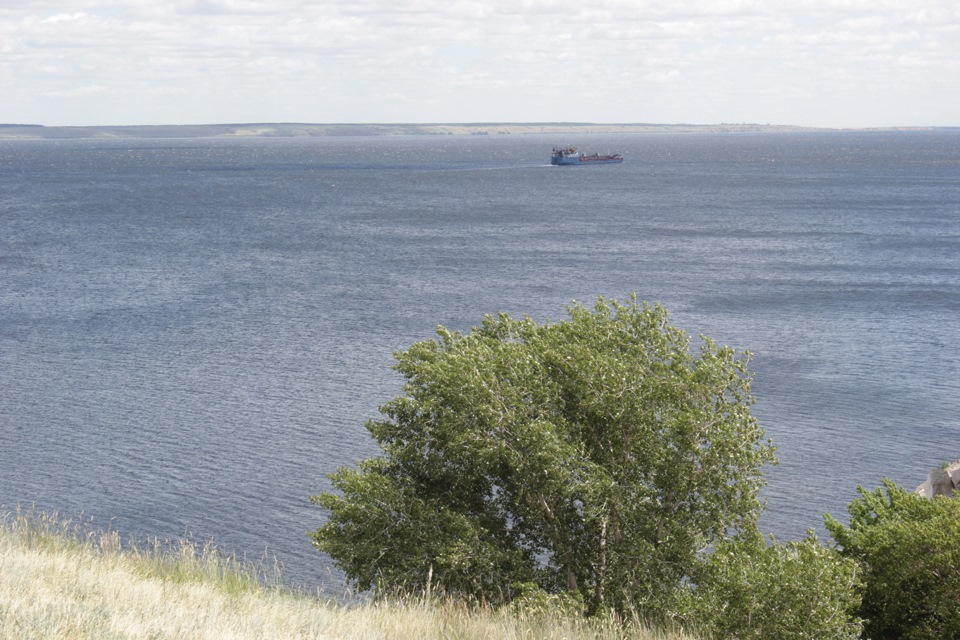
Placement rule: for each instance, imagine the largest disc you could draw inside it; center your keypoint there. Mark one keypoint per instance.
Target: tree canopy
(595, 457)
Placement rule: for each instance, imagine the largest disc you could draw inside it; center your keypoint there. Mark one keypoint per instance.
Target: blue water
(192, 332)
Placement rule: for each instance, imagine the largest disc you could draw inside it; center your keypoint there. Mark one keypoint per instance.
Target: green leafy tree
(594, 457)
(749, 589)
(909, 548)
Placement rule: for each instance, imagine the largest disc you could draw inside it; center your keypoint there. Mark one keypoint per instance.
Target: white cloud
(509, 59)
(63, 17)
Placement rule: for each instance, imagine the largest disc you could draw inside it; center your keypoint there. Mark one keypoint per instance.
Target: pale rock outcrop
(941, 481)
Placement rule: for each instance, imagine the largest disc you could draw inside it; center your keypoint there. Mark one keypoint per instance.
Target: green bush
(793, 591)
(909, 548)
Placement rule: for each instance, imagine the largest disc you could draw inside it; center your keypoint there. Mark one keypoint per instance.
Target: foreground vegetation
(59, 581)
(598, 465)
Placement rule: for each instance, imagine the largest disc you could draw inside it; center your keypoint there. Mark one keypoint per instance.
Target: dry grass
(57, 582)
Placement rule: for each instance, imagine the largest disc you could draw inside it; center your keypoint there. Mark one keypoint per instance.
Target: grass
(59, 581)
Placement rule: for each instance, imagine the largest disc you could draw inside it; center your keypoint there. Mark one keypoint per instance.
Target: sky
(820, 63)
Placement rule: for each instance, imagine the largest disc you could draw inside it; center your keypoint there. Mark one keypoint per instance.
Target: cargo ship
(570, 155)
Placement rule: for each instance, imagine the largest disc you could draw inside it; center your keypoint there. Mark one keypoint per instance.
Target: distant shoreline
(303, 130)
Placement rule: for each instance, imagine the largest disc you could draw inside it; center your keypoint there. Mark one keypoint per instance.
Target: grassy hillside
(57, 581)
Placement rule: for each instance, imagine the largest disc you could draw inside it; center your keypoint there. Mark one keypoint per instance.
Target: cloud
(64, 17)
(509, 55)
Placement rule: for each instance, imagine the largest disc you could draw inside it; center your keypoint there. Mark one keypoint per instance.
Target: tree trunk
(601, 576)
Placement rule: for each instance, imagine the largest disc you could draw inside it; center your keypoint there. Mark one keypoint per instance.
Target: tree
(749, 589)
(594, 457)
(909, 550)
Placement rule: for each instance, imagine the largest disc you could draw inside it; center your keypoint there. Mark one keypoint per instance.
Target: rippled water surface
(192, 332)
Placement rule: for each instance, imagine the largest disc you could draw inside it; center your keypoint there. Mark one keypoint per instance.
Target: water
(192, 332)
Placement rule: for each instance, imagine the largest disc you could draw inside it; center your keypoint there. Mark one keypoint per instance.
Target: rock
(941, 484)
(941, 481)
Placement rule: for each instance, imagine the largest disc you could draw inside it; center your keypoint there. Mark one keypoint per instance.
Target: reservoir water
(193, 332)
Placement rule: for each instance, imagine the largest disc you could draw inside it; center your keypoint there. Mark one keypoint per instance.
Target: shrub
(793, 591)
(909, 548)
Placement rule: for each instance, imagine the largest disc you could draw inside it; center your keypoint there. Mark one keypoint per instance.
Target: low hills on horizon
(285, 130)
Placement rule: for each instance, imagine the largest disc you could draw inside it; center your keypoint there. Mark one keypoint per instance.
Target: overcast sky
(832, 63)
